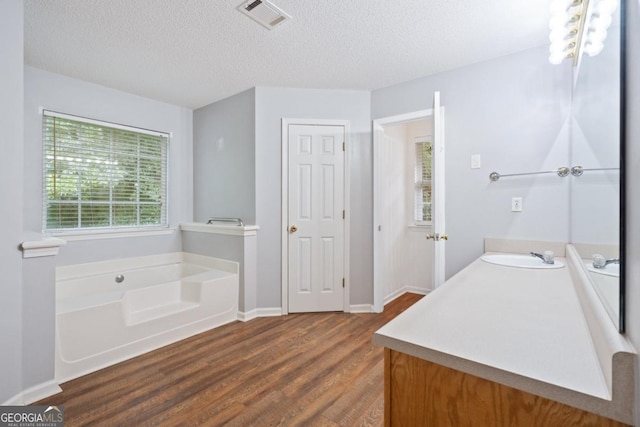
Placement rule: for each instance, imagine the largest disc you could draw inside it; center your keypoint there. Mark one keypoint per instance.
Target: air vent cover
(264, 12)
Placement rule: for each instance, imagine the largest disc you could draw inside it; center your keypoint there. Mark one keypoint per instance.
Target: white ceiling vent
(263, 12)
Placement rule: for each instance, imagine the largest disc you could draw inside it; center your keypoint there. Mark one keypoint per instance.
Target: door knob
(293, 229)
(437, 236)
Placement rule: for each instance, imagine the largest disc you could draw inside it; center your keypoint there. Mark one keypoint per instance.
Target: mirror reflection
(595, 148)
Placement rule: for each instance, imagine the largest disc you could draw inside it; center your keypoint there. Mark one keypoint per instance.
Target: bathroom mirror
(597, 144)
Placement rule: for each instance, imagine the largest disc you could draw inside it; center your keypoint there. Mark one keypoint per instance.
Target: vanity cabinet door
(421, 393)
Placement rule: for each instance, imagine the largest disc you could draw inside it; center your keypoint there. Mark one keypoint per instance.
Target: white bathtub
(162, 299)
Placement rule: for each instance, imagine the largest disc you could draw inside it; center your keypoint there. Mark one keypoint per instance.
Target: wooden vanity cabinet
(421, 393)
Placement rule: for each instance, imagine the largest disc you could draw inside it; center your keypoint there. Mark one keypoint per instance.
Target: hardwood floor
(315, 369)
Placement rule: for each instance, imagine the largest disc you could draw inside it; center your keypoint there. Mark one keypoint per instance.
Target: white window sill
(41, 246)
(420, 228)
(113, 234)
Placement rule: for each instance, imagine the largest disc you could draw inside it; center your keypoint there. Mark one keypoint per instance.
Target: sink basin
(520, 261)
(609, 270)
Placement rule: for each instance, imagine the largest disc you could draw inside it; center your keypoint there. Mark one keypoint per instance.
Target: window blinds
(99, 175)
(423, 183)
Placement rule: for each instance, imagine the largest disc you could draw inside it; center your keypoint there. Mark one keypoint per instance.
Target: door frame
(378, 132)
(284, 220)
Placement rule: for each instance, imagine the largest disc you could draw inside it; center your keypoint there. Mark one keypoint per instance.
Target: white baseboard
(416, 290)
(248, 315)
(269, 312)
(404, 290)
(33, 394)
(259, 312)
(361, 308)
(40, 391)
(17, 400)
(355, 308)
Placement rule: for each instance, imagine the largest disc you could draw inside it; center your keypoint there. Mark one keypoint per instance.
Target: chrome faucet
(600, 262)
(547, 258)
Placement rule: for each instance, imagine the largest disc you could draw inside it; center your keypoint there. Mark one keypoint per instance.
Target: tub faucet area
(220, 219)
(547, 257)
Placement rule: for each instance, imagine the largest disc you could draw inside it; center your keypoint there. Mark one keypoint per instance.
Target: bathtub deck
(301, 369)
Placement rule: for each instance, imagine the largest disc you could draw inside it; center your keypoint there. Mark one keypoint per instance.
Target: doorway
(314, 216)
(409, 237)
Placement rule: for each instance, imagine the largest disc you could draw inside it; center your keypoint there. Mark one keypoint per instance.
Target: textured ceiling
(194, 52)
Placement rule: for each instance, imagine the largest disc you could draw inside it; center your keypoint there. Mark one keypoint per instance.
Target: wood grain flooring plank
(372, 416)
(364, 393)
(315, 369)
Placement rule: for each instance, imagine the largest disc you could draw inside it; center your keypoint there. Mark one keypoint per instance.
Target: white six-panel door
(315, 214)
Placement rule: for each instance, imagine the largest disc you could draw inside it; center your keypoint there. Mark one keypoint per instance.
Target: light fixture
(578, 26)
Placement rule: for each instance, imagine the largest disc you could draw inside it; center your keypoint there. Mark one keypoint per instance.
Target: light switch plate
(475, 161)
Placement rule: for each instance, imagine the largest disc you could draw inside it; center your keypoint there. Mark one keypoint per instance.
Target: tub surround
(236, 243)
(110, 311)
(540, 331)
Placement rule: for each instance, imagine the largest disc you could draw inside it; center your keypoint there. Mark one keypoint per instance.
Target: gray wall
(633, 186)
(38, 324)
(224, 159)
(273, 104)
(72, 96)
(513, 111)
(11, 99)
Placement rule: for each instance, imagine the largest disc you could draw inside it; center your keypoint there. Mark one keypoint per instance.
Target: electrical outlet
(516, 204)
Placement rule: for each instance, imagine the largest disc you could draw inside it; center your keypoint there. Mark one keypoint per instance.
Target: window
(102, 176)
(423, 182)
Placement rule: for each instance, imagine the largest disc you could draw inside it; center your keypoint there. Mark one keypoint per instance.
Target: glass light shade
(606, 7)
(559, 6)
(557, 35)
(558, 21)
(600, 21)
(556, 48)
(596, 36)
(592, 49)
(556, 57)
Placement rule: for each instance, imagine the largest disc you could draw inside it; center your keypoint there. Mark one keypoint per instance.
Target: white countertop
(522, 321)
(540, 331)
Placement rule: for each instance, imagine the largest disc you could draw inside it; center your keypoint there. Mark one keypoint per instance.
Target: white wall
(393, 193)
(72, 96)
(224, 159)
(273, 104)
(513, 112)
(633, 187)
(406, 254)
(11, 101)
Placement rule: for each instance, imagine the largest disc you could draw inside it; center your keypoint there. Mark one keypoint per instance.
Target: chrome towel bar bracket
(561, 172)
